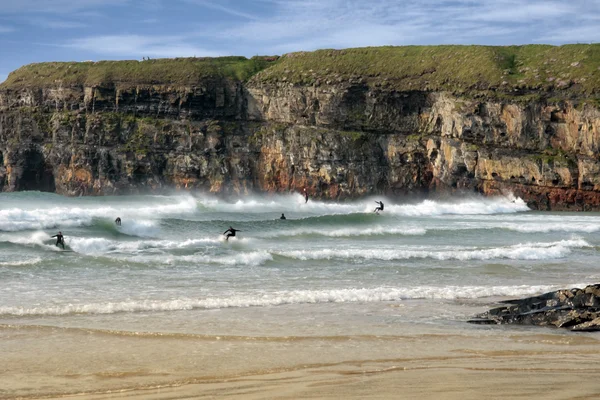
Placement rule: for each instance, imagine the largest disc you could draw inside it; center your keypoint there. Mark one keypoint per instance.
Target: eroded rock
(573, 309)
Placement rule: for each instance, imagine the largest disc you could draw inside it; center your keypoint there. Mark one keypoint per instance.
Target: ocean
(165, 301)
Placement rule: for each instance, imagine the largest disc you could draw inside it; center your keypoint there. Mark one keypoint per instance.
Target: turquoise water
(168, 261)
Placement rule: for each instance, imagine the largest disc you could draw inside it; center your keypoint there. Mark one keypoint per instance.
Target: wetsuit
(380, 208)
(282, 217)
(305, 196)
(118, 221)
(60, 240)
(230, 232)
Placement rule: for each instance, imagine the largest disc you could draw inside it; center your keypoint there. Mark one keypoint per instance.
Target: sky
(78, 30)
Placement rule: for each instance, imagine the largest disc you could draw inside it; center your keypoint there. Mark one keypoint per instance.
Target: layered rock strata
(341, 138)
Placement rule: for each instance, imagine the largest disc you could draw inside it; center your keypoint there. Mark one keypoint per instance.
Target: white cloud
(140, 46)
(312, 24)
(508, 11)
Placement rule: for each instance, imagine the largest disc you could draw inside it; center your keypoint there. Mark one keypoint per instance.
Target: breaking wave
(528, 251)
(38, 217)
(354, 295)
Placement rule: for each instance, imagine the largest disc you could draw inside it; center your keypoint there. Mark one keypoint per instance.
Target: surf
(279, 298)
(526, 251)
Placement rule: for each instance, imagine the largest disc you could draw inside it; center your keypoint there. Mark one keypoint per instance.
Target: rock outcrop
(573, 309)
(90, 128)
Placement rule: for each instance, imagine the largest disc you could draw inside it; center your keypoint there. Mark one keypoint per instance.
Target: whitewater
(170, 255)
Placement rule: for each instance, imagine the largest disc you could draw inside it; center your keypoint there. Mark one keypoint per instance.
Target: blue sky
(77, 30)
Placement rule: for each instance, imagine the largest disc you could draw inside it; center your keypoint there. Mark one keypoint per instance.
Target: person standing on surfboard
(60, 239)
(380, 208)
(230, 232)
(118, 221)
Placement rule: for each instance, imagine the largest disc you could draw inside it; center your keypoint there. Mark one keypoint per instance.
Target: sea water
(330, 270)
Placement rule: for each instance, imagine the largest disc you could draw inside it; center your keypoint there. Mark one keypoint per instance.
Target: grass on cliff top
(571, 69)
(458, 68)
(178, 71)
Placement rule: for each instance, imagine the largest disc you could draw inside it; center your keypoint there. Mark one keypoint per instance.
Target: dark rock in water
(573, 309)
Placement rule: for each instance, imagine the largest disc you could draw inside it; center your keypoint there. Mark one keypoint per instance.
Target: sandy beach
(491, 362)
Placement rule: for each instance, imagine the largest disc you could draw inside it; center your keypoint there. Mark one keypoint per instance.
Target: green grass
(450, 68)
(180, 71)
(501, 71)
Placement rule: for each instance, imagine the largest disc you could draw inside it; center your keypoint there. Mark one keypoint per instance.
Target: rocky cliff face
(340, 139)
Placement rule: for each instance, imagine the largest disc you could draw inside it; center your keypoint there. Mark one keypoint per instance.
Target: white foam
(100, 245)
(31, 261)
(295, 203)
(280, 203)
(528, 251)
(38, 238)
(253, 259)
(141, 228)
(476, 206)
(277, 298)
(97, 245)
(350, 232)
(557, 227)
(16, 219)
(38, 216)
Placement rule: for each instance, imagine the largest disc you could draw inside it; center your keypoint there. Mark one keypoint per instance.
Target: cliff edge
(342, 123)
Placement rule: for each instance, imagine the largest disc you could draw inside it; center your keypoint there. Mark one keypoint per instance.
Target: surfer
(60, 239)
(282, 216)
(379, 208)
(305, 196)
(118, 221)
(230, 232)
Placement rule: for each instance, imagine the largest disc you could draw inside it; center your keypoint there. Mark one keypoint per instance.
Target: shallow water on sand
(164, 301)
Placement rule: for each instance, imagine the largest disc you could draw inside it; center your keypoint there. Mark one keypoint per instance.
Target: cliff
(343, 123)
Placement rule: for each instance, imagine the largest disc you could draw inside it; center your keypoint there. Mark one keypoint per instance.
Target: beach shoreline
(462, 363)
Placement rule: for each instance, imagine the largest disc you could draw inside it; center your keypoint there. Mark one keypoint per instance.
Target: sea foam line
(477, 206)
(16, 219)
(252, 259)
(31, 261)
(97, 245)
(529, 251)
(278, 298)
(295, 203)
(349, 232)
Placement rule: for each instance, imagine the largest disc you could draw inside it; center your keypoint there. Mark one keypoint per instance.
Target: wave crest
(278, 298)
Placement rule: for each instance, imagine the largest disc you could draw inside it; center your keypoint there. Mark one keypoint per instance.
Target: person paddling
(60, 239)
(230, 232)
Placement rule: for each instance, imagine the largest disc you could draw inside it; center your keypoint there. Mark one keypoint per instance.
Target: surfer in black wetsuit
(230, 232)
(118, 221)
(305, 196)
(380, 208)
(60, 239)
(282, 216)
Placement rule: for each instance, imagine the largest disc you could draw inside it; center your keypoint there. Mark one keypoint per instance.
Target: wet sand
(462, 363)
